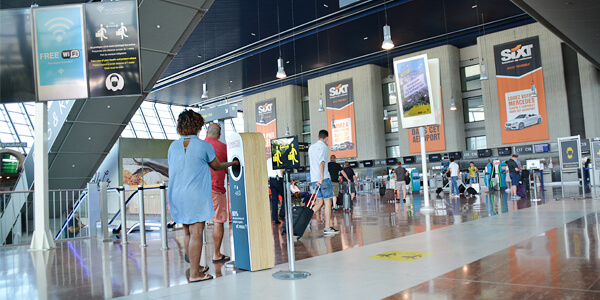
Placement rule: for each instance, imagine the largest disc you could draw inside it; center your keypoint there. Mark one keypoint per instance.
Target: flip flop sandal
(203, 278)
(203, 269)
(222, 259)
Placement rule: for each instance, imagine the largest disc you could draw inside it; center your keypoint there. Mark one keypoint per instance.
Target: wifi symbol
(58, 26)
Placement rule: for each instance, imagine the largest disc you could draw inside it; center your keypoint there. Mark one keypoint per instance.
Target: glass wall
(469, 78)
(392, 151)
(476, 142)
(391, 125)
(473, 109)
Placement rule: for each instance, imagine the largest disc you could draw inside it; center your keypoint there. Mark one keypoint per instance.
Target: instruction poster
(285, 153)
(113, 48)
(521, 91)
(266, 122)
(340, 118)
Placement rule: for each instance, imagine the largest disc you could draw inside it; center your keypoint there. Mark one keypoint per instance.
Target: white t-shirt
(317, 153)
(453, 169)
(294, 189)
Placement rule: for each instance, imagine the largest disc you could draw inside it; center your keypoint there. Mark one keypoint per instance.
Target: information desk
(249, 194)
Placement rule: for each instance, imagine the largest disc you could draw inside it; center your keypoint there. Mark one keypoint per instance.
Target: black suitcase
(439, 190)
(471, 191)
(521, 191)
(382, 191)
(461, 189)
(301, 216)
(340, 199)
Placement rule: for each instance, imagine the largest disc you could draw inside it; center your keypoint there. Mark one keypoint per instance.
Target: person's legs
(328, 206)
(218, 230)
(454, 187)
(274, 199)
(186, 240)
(403, 187)
(336, 191)
(220, 207)
(352, 190)
(195, 250)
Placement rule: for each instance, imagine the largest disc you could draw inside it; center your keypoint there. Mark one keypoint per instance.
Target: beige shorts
(400, 185)
(336, 188)
(220, 206)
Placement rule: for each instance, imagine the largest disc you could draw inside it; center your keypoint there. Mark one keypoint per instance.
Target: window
(305, 111)
(473, 109)
(469, 78)
(476, 142)
(386, 88)
(391, 125)
(392, 151)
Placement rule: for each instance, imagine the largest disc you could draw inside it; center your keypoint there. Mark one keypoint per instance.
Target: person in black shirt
(513, 169)
(400, 177)
(349, 180)
(334, 170)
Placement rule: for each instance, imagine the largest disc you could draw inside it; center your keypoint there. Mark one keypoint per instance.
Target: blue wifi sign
(60, 54)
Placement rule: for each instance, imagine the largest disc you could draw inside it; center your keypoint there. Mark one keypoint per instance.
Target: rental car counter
(249, 193)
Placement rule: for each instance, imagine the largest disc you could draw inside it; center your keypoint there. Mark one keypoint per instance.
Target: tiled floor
(495, 248)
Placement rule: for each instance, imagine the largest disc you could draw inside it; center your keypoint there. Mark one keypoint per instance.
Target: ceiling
(577, 23)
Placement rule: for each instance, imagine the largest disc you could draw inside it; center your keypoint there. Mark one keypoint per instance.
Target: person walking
(321, 179)
(349, 180)
(453, 170)
(400, 177)
(219, 197)
(276, 187)
(513, 169)
(190, 160)
(334, 171)
(473, 173)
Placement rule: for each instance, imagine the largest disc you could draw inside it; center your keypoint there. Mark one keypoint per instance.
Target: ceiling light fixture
(321, 109)
(204, 91)
(483, 75)
(385, 115)
(452, 104)
(287, 130)
(332, 123)
(387, 38)
(280, 71)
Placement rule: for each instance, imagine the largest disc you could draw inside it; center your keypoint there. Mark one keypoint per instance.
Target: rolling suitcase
(382, 190)
(521, 191)
(347, 203)
(301, 216)
(340, 199)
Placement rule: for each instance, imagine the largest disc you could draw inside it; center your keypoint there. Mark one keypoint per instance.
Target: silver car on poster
(522, 121)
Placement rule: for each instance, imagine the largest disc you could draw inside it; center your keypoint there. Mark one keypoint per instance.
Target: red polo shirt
(218, 177)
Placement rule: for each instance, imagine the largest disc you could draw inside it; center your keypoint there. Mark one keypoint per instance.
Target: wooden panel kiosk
(249, 193)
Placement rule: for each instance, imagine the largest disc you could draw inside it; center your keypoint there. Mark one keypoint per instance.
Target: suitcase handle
(313, 198)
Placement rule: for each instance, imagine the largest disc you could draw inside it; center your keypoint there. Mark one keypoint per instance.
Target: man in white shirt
(319, 177)
(453, 169)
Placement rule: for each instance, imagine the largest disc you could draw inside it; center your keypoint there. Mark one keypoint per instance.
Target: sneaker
(331, 230)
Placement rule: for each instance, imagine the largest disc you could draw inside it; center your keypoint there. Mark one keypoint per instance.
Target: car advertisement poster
(60, 52)
(266, 122)
(113, 48)
(435, 137)
(521, 91)
(340, 118)
(415, 94)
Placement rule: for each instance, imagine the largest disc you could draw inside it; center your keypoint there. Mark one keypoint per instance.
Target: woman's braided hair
(189, 122)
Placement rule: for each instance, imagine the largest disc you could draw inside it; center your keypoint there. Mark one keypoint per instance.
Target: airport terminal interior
(470, 127)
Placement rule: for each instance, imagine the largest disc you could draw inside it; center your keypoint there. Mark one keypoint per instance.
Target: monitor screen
(540, 148)
(353, 164)
(435, 157)
(484, 153)
(409, 159)
(301, 169)
(368, 163)
(455, 155)
(391, 161)
(504, 151)
(533, 164)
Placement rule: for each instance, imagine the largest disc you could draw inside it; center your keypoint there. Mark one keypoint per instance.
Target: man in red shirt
(218, 191)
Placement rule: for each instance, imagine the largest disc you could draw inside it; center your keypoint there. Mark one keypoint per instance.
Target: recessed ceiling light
(366, 38)
(287, 62)
(474, 6)
(252, 33)
(325, 5)
(230, 81)
(89, 138)
(199, 56)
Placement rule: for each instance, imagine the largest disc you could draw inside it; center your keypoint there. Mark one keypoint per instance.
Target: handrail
(74, 211)
(118, 213)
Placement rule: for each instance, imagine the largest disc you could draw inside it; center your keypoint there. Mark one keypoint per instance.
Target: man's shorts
(350, 186)
(514, 177)
(336, 188)
(400, 185)
(220, 206)
(326, 190)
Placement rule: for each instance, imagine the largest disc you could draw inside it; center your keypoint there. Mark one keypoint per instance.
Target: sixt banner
(521, 91)
(340, 118)
(113, 48)
(266, 122)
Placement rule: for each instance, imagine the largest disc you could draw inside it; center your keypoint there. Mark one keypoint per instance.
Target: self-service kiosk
(249, 194)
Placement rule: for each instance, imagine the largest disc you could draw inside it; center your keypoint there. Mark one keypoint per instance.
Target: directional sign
(6, 145)
(570, 155)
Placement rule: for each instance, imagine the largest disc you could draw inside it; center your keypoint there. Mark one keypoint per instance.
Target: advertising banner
(285, 153)
(415, 94)
(266, 122)
(113, 48)
(521, 91)
(340, 118)
(59, 52)
(435, 138)
(570, 153)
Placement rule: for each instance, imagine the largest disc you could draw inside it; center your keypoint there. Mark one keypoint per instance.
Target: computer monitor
(484, 152)
(368, 163)
(353, 164)
(409, 159)
(435, 157)
(391, 161)
(505, 151)
(455, 155)
(533, 164)
(541, 148)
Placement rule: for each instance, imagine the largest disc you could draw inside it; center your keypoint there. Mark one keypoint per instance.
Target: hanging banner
(266, 122)
(435, 138)
(521, 91)
(415, 94)
(340, 118)
(113, 48)
(59, 52)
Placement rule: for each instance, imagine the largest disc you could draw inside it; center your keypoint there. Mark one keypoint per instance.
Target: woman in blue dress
(190, 191)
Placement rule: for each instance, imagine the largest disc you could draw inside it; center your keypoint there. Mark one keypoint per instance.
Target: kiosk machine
(249, 193)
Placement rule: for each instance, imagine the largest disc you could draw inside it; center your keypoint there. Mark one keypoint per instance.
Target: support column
(42, 239)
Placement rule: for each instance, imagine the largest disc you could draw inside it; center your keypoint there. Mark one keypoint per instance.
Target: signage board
(391, 161)
(368, 163)
(15, 145)
(340, 118)
(409, 160)
(222, 112)
(569, 153)
(113, 48)
(435, 157)
(527, 149)
(285, 153)
(585, 146)
(541, 148)
(595, 149)
(60, 55)
(484, 153)
(266, 122)
(455, 155)
(504, 151)
(469, 154)
(303, 147)
(353, 164)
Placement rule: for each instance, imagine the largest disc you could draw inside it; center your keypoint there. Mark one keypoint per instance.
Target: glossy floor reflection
(90, 269)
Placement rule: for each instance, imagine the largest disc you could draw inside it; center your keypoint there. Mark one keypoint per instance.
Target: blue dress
(190, 192)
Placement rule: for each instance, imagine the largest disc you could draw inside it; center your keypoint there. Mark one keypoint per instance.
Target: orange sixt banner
(521, 93)
(266, 122)
(340, 119)
(435, 139)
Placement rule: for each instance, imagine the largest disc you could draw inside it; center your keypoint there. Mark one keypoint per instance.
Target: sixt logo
(340, 90)
(517, 52)
(265, 108)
